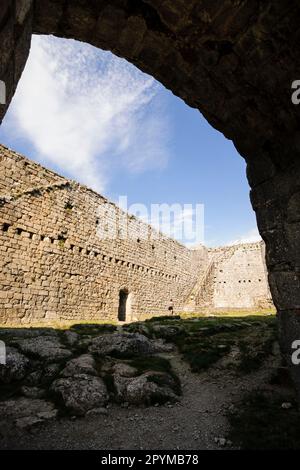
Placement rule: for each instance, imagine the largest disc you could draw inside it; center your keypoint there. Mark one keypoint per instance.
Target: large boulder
(16, 366)
(84, 364)
(80, 393)
(167, 332)
(124, 345)
(148, 388)
(46, 348)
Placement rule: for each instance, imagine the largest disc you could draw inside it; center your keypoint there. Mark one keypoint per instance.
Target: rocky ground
(167, 383)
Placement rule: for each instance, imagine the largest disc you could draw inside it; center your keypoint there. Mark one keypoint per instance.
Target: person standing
(171, 307)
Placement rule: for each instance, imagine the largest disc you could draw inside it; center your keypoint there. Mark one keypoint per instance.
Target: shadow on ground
(201, 382)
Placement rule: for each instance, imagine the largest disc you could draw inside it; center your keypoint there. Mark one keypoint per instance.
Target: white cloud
(87, 112)
(251, 236)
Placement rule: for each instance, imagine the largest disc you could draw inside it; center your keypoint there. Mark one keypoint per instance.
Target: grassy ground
(204, 340)
(260, 422)
(58, 325)
(64, 324)
(229, 313)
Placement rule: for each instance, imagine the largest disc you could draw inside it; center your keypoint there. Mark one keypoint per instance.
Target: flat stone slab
(81, 393)
(46, 348)
(84, 364)
(26, 412)
(124, 345)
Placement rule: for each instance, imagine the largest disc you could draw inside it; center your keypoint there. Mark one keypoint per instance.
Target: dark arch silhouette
(235, 62)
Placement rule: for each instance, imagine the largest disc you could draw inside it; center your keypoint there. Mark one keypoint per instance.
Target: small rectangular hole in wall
(19, 231)
(5, 227)
(68, 206)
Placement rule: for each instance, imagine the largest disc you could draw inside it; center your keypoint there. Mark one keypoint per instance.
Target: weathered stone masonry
(55, 266)
(235, 278)
(63, 257)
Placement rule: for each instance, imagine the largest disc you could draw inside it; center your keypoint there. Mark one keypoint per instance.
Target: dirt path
(193, 423)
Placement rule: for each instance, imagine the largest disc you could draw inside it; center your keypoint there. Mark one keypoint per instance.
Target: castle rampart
(59, 262)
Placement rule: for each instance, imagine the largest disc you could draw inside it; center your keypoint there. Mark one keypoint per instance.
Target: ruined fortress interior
(69, 254)
(235, 62)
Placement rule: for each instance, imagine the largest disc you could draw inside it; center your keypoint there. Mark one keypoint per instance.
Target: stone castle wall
(235, 277)
(59, 263)
(66, 253)
(240, 277)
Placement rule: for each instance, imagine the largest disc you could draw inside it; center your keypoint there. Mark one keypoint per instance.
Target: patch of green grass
(254, 351)
(202, 354)
(163, 318)
(261, 423)
(204, 341)
(59, 324)
(229, 313)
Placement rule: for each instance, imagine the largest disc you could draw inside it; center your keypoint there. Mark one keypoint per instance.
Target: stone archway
(235, 62)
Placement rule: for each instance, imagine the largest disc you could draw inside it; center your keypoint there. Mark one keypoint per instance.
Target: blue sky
(97, 119)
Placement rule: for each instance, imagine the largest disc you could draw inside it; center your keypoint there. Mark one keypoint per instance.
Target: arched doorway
(123, 305)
